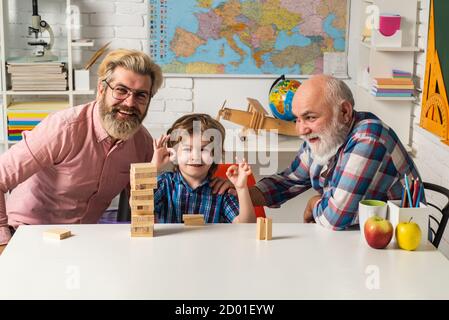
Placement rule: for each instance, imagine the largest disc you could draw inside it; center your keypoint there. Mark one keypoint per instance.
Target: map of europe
(244, 37)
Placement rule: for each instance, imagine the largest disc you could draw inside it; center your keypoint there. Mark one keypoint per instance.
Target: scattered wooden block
(193, 219)
(260, 228)
(57, 233)
(268, 228)
(264, 228)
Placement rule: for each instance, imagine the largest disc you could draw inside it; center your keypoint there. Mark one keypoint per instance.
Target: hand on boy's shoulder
(221, 186)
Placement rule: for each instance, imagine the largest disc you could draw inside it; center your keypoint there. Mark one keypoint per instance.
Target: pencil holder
(419, 215)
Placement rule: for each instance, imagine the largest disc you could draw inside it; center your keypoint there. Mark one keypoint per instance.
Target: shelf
(83, 92)
(50, 93)
(392, 49)
(28, 93)
(394, 98)
(82, 44)
(367, 91)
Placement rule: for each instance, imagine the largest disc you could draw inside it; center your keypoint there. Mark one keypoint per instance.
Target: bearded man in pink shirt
(70, 167)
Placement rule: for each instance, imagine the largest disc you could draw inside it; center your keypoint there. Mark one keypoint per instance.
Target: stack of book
(392, 87)
(45, 76)
(24, 116)
(399, 74)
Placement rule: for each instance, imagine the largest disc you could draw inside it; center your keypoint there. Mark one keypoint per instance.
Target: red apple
(378, 232)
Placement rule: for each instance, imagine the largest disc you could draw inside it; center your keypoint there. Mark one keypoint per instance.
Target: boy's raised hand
(238, 174)
(162, 154)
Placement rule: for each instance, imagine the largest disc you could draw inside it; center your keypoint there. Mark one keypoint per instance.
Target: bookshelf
(10, 98)
(379, 61)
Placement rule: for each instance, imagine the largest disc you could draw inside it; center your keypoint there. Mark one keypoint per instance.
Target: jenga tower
(143, 177)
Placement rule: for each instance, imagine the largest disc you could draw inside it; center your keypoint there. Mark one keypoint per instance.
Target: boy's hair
(133, 60)
(187, 123)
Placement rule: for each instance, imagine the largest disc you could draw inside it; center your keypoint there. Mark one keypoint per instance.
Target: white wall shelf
(82, 44)
(381, 60)
(394, 98)
(83, 92)
(7, 96)
(393, 49)
(49, 93)
(28, 93)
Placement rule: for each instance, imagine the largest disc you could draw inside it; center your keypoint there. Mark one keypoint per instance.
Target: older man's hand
(221, 186)
(308, 216)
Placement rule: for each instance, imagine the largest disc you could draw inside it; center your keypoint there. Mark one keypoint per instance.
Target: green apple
(378, 232)
(408, 235)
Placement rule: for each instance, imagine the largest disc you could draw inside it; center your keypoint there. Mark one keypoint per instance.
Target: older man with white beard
(70, 167)
(346, 156)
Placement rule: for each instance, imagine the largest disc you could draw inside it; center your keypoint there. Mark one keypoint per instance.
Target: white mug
(369, 208)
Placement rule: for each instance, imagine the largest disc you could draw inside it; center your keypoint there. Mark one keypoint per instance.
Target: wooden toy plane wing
(257, 118)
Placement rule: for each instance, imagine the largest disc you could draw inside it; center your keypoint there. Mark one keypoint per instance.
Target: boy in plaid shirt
(186, 190)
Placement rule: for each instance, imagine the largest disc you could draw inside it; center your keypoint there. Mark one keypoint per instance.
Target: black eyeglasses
(120, 92)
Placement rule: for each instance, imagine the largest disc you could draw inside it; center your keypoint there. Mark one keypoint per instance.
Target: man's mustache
(307, 137)
(134, 112)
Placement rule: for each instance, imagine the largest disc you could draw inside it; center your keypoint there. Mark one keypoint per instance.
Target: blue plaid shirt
(370, 164)
(174, 197)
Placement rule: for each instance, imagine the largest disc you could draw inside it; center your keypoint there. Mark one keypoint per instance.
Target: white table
(303, 261)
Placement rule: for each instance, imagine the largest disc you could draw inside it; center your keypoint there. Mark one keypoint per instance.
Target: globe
(280, 98)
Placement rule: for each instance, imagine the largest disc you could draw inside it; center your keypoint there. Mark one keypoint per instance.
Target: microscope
(42, 49)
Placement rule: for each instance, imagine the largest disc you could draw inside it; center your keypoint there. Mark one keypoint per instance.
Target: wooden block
(193, 219)
(144, 203)
(142, 220)
(142, 231)
(268, 228)
(152, 181)
(147, 207)
(143, 184)
(142, 195)
(57, 233)
(142, 212)
(143, 167)
(260, 228)
(143, 175)
(148, 186)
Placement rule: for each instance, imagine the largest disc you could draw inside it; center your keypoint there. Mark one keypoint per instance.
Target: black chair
(124, 210)
(441, 222)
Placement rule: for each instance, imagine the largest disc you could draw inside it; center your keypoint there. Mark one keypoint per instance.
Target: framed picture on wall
(257, 38)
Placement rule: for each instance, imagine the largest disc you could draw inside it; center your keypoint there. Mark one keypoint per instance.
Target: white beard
(331, 139)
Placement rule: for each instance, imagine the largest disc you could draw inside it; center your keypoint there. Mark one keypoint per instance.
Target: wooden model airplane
(256, 118)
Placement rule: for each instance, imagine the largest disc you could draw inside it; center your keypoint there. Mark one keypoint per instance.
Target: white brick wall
(186, 83)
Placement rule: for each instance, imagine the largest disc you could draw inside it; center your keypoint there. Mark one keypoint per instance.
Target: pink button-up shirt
(66, 170)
